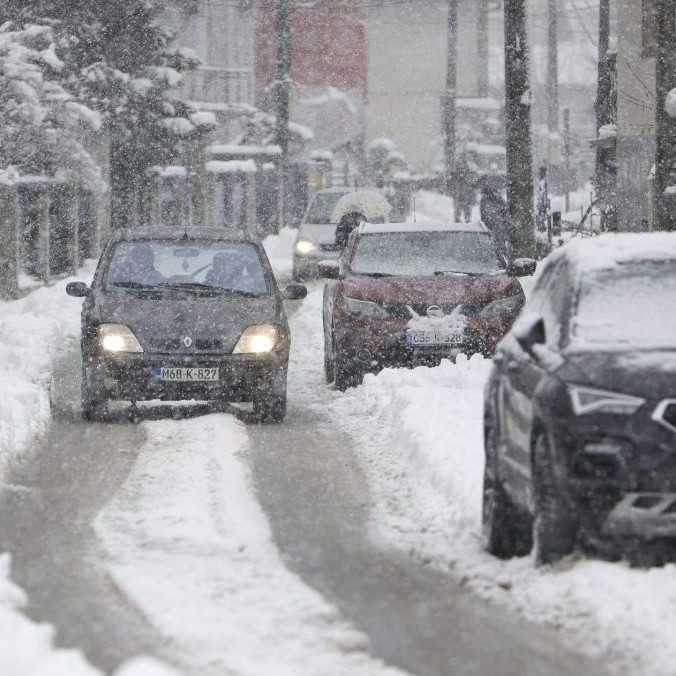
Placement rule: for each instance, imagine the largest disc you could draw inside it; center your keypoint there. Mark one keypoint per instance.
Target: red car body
(359, 343)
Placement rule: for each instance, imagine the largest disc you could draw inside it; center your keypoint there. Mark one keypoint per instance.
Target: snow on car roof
(608, 250)
(382, 228)
(175, 233)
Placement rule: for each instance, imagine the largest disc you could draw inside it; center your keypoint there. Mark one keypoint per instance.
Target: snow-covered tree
(41, 124)
(119, 60)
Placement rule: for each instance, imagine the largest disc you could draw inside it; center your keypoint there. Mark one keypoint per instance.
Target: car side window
(556, 300)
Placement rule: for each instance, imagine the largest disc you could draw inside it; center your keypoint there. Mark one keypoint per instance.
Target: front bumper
(130, 376)
(307, 265)
(374, 348)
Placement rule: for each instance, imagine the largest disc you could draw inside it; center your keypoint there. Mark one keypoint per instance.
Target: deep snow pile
(419, 436)
(33, 331)
(187, 515)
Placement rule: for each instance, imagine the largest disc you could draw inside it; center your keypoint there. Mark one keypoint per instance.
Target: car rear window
(222, 265)
(425, 253)
(628, 305)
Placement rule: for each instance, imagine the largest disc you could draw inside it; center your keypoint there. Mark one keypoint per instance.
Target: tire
(270, 408)
(554, 529)
(504, 531)
(345, 374)
(94, 406)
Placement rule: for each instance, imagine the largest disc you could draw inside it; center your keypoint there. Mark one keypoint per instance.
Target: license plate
(175, 374)
(431, 338)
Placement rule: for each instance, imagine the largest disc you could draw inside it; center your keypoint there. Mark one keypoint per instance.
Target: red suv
(409, 293)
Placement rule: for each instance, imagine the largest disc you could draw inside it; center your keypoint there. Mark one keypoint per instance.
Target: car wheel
(553, 528)
(94, 406)
(345, 374)
(270, 408)
(503, 532)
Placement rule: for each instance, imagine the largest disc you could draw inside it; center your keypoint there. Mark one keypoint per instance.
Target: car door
(519, 376)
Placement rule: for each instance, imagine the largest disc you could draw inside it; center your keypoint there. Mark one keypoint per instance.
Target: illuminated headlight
(118, 338)
(364, 308)
(504, 306)
(590, 400)
(257, 340)
(304, 247)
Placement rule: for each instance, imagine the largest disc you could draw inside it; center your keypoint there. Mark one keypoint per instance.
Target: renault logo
(187, 341)
(434, 311)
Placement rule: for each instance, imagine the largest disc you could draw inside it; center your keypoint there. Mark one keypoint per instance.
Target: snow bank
(418, 434)
(280, 252)
(187, 514)
(33, 331)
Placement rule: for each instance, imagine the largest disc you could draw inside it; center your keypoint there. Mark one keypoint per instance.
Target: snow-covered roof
(486, 148)
(383, 228)
(232, 149)
(231, 167)
(609, 250)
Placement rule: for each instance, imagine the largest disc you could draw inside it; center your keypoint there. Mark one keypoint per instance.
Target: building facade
(407, 70)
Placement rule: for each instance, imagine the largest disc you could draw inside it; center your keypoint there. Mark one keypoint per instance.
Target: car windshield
(196, 266)
(629, 305)
(322, 206)
(425, 253)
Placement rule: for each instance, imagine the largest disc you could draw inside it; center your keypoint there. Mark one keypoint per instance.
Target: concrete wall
(407, 72)
(636, 118)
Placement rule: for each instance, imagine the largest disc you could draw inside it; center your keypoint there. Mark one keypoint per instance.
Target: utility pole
(283, 30)
(552, 77)
(517, 127)
(449, 97)
(566, 156)
(665, 125)
(482, 35)
(603, 112)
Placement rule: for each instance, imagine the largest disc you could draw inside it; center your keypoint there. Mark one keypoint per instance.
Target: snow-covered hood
(317, 234)
(441, 290)
(154, 320)
(649, 374)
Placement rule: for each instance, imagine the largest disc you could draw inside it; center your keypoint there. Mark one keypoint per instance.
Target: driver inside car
(137, 266)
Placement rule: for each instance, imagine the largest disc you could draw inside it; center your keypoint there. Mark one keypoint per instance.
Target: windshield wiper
(375, 274)
(207, 288)
(137, 286)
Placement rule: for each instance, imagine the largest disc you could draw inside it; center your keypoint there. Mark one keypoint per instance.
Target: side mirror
(295, 292)
(522, 267)
(329, 269)
(77, 289)
(529, 330)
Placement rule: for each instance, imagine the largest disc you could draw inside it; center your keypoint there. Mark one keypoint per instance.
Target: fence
(46, 228)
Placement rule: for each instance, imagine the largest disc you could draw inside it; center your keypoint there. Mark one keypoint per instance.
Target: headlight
(504, 306)
(364, 308)
(590, 400)
(257, 340)
(305, 247)
(118, 338)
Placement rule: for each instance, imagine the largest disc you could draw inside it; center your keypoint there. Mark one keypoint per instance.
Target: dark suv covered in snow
(410, 293)
(580, 408)
(184, 314)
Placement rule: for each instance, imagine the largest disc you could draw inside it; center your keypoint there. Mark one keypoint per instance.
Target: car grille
(404, 311)
(665, 414)
(168, 345)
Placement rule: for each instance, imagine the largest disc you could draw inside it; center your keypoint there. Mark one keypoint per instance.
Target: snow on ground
(33, 330)
(280, 252)
(189, 543)
(418, 435)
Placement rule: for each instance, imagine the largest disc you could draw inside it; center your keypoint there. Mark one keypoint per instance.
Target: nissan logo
(434, 311)
(187, 341)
